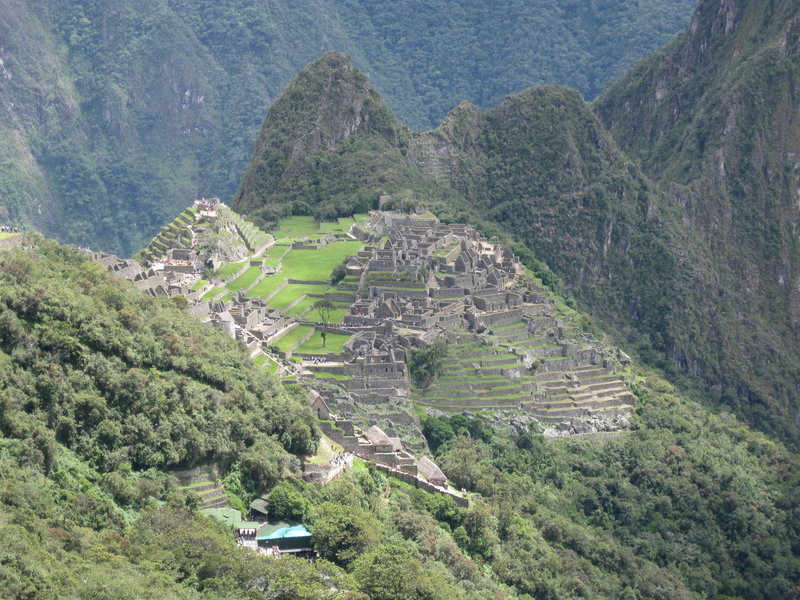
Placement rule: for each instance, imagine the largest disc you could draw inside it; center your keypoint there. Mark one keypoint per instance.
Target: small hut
(430, 471)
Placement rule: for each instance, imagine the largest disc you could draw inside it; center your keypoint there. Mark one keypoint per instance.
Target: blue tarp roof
(295, 531)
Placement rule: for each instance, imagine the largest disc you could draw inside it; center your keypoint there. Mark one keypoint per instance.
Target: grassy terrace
(245, 280)
(230, 269)
(213, 292)
(266, 286)
(200, 283)
(334, 345)
(292, 227)
(307, 265)
(274, 255)
(336, 376)
(5, 236)
(517, 325)
(316, 265)
(303, 309)
(292, 292)
(291, 338)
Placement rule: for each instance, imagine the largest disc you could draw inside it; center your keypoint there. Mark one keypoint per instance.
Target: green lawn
(336, 315)
(290, 339)
(230, 269)
(301, 307)
(200, 283)
(316, 265)
(273, 256)
(334, 345)
(245, 280)
(266, 286)
(4, 236)
(292, 227)
(213, 292)
(515, 325)
(292, 292)
(336, 376)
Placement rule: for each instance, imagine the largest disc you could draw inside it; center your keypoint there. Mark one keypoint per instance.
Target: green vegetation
(266, 286)
(87, 357)
(296, 227)
(228, 270)
(245, 280)
(291, 338)
(316, 265)
(293, 291)
(333, 343)
(424, 366)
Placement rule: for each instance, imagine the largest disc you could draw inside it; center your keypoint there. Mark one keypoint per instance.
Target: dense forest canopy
(118, 114)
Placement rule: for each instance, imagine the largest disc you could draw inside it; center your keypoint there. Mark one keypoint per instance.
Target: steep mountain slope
(714, 119)
(115, 115)
(542, 167)
(329, 142)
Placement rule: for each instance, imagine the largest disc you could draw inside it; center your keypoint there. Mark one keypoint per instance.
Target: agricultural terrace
(5, 235)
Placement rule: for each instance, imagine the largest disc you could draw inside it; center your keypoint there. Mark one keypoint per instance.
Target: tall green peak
(329, 145)
(328, 102)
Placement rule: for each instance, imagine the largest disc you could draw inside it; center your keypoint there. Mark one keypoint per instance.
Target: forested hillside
(102, 387)
(116, 115)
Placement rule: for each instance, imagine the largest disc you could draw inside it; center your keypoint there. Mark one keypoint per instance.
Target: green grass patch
(5, 235)
(213, 292)
(292, 292)
(292, 337)
(334, 344)
(266, 286)
(336, 376)
(316, 265)
(230, 269)
(296, 227)
(245, 280)
(336, 315)
(509, 327)
(200, 283)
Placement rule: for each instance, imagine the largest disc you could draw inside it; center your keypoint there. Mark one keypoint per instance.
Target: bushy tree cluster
(127, 380)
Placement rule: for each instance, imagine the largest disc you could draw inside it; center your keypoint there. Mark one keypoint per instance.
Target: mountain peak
(327, 102)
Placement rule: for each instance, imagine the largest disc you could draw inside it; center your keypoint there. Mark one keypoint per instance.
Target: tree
(342, 533)
(324, 308)
(393, 572)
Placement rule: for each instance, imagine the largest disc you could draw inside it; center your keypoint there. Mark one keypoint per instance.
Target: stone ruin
(416, 282)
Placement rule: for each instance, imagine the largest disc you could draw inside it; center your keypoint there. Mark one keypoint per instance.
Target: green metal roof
(259, 505)
(229, 516)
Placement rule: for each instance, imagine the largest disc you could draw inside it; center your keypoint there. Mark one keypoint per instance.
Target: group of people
(317, 360)
(8, 229)
(342, 458)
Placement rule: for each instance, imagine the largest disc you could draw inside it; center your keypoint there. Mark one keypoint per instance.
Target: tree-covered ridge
(710, 118)
(128, 381)
(119, 114)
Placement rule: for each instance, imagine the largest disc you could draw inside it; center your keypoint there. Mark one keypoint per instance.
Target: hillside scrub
(124, 379)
